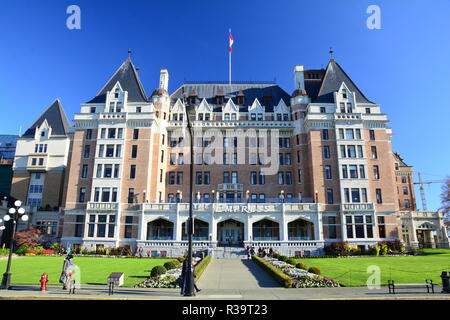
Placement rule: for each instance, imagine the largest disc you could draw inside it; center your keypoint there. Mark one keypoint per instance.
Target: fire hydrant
(43, 281)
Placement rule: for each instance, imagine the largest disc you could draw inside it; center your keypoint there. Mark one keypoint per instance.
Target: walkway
(237, 274)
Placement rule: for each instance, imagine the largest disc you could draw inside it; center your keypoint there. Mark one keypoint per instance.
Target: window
(376, 172)
(262, 179)
(347, 195)
(355, 195)
(288, 178)
(92, 110)
(327, 172)
(79, 226)
(253, 178)
(342, 107)
(330, 196)
(133, 171)
(89, 134)
(358, 134)
(105, 194)
(118, 150)
(353, 171)
(226, 177)
(109, 150)
(280, 159)
(131, 195)
(341, 133)
(360, 151)
(234, 177)
(180, 158)
(198, 178)
(97, 195)
(99, 171)
(207, 178)
(138, 109)
(403, 179)
(343, 153)
(364, 195)
(114, 195)
(349, 134)
(351, 152)
(368, 110)
(136, 134)
(171, 177)
(87, 150)
(372, 134)
(299, 172)
(325, 135)
(107, 173)
(84, 171)
(322, 110)
(82, 195)
(111, 133)
(407, 203)
(116, 171)
(326, 152)
(128, 227)
(179, 177)
(103, 133)
(381, 227)
(378, 194)
(134, 150)
(348, 222)
(349, 108)
(298, 156)
(374, 152)
(405, 191)
(344, 171)
(41, 161)
(362, 172)
(172, 159)
(280, 178)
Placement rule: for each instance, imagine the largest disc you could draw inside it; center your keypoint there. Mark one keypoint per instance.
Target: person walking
(249, 254)
(65, 277)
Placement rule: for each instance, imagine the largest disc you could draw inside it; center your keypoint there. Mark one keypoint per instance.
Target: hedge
(201, 266)
(273, 271)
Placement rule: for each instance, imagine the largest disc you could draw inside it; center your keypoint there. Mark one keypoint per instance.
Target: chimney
(164, 79)
(299, 78)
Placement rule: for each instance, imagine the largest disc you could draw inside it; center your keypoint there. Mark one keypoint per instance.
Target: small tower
(164, 79)
(299, 78)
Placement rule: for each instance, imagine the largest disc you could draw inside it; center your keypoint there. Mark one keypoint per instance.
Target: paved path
(236, 274)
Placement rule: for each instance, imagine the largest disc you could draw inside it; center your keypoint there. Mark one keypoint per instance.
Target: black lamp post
(14, 214)
(189, 276)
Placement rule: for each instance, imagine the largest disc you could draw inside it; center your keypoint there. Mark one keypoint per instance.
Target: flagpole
(229, 55)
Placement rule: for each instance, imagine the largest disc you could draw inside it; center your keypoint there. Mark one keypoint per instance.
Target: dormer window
(92, 109)
(253, 116)
(278, 116)
(119, 106)
(260, 116)
(207, 117)
(43, 134)
(227, 116)
(344, 93)
(200, 116)
(181, 117)
(138, 109)
(116, 93)
(111, 107)
(192, 100)
(175, 117)
(233, 116)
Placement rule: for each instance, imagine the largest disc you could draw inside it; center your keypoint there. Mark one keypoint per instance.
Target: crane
(422, 192)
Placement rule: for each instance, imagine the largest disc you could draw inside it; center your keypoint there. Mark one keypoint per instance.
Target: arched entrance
(230, 232)
(300, 230)
(426, 235)
(201, 230)
(160, 229)
(266, 230)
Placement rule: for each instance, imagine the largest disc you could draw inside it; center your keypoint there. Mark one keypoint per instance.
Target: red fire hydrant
(43, 281)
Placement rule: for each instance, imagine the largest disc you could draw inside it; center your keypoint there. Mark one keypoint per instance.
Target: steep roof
(332, 81)
(399, 158)
(56, 118)
(249, 91)
(129, 80)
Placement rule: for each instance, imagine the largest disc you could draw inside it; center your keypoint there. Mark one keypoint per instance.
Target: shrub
(301, 265)
(39, 249)
(315, 270)
(176, 262)
(276, 255)
(22, 249)
(283, 258)
(31, 237)
(29, 254)
(273, 271)
(201, 266)
(181, 259)
(169, 265)
(4, 252)
(292, 261)
(384, 249)
(34, 252)
(337, 249)
(158, 270)
(57, 247)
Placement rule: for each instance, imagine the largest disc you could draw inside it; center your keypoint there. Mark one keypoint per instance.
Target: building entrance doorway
(230, 233)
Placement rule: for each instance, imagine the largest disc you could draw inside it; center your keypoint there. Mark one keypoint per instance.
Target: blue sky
(404, 66)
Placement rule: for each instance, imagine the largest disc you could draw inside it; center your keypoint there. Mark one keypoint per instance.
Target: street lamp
(189, 276)
(247, 195)
(282, 196)
(14, 214)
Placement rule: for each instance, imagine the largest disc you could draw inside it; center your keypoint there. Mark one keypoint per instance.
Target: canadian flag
(231, 42)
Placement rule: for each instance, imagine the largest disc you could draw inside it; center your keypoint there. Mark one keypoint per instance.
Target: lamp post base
(6, 281)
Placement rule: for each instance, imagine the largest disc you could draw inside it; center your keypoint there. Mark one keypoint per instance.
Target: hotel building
(294, 172)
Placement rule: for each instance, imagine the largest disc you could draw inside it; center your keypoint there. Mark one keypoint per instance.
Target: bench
(428, 285)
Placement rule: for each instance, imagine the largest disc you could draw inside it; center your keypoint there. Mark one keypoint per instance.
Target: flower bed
(302, 278)
(166, 280)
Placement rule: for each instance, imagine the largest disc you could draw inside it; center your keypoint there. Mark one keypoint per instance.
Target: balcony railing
(103, 206)
(357, 206)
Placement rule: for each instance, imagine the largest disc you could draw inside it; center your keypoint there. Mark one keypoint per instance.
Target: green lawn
(406, 269)
(28, 270)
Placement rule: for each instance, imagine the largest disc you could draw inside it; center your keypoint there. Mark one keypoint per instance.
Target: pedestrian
(65, 277)
(140, 252)
(195, 283)
(252, 251)
(270, 251)
(259, 251)
(249, 255)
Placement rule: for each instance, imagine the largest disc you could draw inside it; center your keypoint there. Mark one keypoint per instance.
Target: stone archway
(201, 230)
(230, 232)
(300, 229)
(425, 236)
(160, 229)
(266, 230)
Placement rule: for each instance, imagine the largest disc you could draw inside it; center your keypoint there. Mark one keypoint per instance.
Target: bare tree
(445, 199)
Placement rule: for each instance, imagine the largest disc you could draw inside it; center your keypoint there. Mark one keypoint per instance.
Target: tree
(445, 198)
(30, 237)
